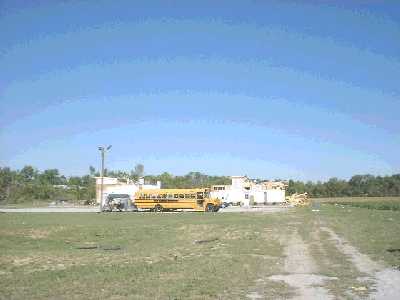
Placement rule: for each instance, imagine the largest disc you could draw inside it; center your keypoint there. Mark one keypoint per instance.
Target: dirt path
(387, 281)
(301, 272)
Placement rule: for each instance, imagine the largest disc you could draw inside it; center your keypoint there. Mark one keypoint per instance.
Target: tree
(92, 171)
(28, 173)
(75, 182)
(139, 170)
(6, 179)
(50, 176)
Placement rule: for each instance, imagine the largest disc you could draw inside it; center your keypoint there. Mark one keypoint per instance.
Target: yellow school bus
(159, 200)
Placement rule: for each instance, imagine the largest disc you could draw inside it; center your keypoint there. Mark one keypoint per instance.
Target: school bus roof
(172, 191)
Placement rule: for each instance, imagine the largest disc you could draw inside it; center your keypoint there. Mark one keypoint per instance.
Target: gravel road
(50, 210)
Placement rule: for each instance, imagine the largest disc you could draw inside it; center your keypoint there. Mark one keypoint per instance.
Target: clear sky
(272, 89)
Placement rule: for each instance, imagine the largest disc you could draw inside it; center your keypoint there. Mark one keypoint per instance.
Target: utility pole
(102, 150)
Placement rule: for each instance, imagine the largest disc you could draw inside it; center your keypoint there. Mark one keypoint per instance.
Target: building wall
(258, 196)
(275, 196)
(245, 191)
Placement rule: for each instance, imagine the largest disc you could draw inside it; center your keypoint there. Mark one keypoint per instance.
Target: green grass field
(159, 256)
(381, 203)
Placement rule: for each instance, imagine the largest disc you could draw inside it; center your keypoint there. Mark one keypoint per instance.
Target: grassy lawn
(374, 231)
(159, 256)
(381, 203)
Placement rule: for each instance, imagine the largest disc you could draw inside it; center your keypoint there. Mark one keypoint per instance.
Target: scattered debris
(106, 248)
(393, 250)
(205, 241)
(298, 199)
(111, 248)
(87, 247)
(359, 288)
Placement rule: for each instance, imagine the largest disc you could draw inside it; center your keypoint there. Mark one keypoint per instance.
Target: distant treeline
(358, 185)
(30, 184)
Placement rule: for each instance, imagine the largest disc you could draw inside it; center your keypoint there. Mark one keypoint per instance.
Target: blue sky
(272, 89)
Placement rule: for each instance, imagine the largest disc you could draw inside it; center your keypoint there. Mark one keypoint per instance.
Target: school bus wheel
(158, 208)
(209, 207)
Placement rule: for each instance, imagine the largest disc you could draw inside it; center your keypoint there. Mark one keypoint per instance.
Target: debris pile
(298, 199)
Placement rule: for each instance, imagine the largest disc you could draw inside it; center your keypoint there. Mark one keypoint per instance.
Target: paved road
(50, 209)
(264, 209)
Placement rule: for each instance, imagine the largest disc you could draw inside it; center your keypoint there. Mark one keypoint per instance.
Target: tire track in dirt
(301, 271)
(387, 280)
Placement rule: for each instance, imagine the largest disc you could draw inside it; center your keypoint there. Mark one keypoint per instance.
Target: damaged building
(246, 192)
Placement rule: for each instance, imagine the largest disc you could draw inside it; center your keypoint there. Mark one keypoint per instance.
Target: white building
(121, 186)
(246, 192)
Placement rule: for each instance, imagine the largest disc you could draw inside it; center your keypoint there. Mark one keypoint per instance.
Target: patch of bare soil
(309, 286)
(302, 271)
(298, 259)
(387, 280)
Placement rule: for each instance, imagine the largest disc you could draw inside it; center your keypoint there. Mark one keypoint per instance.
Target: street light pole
(102, 150)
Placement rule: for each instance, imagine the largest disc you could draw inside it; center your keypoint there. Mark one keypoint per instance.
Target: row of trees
(30, 184)
(190, 180)
(358, 185)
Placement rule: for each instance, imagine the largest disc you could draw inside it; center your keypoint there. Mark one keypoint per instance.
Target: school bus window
(176, 196)
(164, 196)
(193, 196)
(199, 195)
(187, 196)
(181, 196)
